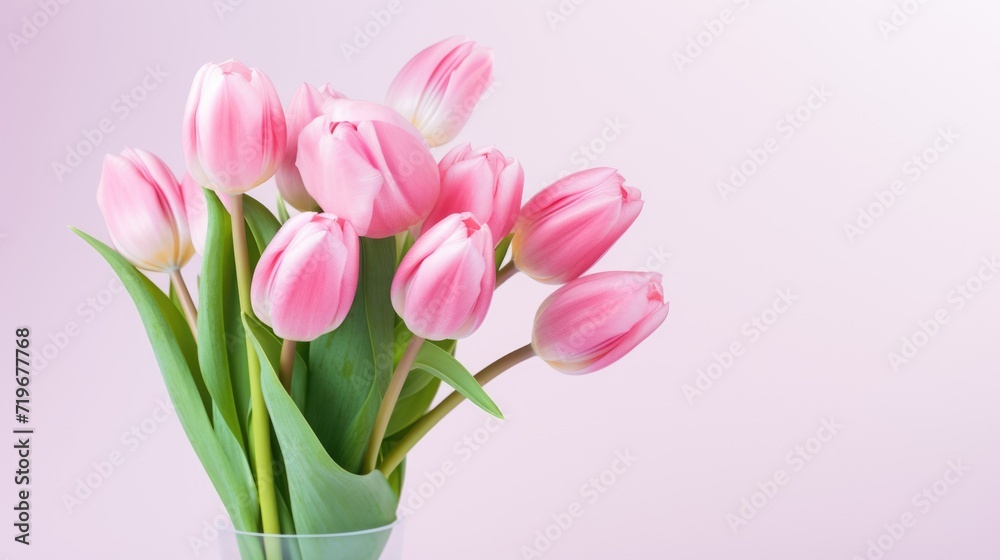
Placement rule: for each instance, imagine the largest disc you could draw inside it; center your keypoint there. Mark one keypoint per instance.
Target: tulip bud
(482, 182)
(438, 88)
(196, 209)
(144, 209)
(564, 229)
(305, 281)
(372, 173)
(306, 105)
(593, 321)
(444, 285)
(234, 130)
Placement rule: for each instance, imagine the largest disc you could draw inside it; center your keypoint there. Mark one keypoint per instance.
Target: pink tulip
(372, 173)
(593, 321)
(196, 209)
(356, 110)
(444, 285)
(437, 89)
(482, 182)
(305, 281)
(234, 130)
(144, 210)
(306, 105)
(564, 229)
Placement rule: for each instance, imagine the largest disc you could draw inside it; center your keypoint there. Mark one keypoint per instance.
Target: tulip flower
(564, 229)
(482, 182)
(593, 321)
(373, 174)
(234, 130)
(306, 105)
(143, 206)
(444, 284)
(438, 88)
(356, 110)
(306, 278)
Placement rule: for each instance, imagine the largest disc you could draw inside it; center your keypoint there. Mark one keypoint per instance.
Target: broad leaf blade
(349, 369)
(324, 497)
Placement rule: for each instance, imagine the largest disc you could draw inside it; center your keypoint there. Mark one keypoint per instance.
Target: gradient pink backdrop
(556, 89)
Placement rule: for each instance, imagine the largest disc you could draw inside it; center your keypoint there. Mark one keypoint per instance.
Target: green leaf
(501, 250)
(410, 408)
(445, 367)
(282, 210)
(324, 497)
(350, 368)
(262, 223)
(217, 298)
(176, 355)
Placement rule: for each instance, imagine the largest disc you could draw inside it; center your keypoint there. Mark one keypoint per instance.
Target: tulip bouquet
(306, 370)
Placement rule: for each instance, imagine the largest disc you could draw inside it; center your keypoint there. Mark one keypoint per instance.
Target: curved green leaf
(445, 367)
(176, 355)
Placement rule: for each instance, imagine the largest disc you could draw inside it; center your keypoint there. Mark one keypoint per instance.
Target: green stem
(261, 426)
(389, 403)
(287, 364)
(429, 420)
(505, 273)
(187, 304)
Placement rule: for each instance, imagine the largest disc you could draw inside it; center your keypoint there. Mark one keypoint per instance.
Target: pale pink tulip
(372, 173)
(440, 86)
(196, 209)
(444, 285)
(482, 182)
(306, 105)
(306, 279)
(356, 110)
(234, 130)
(564, 229)
(143, 207)
(593, 321)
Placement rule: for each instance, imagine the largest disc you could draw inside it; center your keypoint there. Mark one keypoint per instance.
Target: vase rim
(390, 526)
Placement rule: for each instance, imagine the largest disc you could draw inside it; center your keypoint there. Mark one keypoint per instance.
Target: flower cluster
(359, 172)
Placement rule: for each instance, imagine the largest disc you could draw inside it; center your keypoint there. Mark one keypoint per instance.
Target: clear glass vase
(381, 543)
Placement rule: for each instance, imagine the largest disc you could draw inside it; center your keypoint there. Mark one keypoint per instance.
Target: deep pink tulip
(372, 173)
(234, 129)
(306, 105)
(593, 321)
(482, 182)
(196, 209)
(305, 281)
(143, 207)
(444, 285)
(440, 86)
(564, 229)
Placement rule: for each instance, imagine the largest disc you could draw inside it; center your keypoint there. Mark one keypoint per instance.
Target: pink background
(826, 356)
